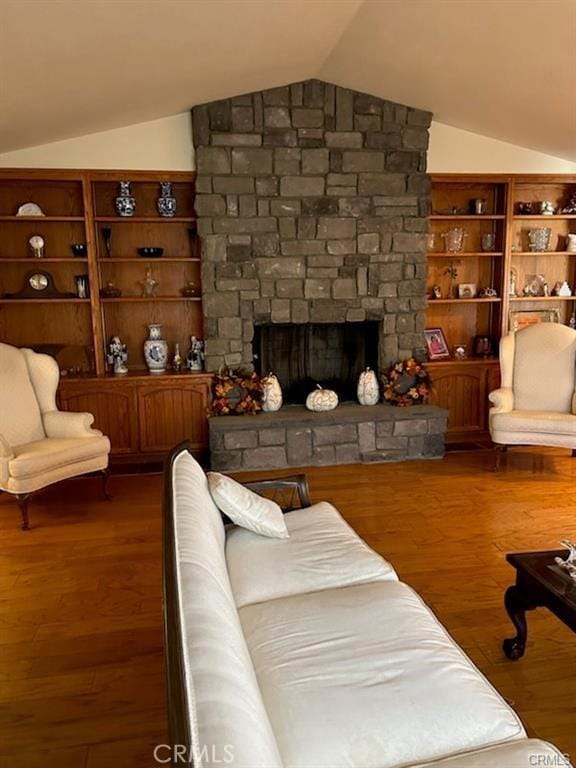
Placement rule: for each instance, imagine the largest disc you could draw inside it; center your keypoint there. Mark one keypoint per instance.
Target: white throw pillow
(246, 508)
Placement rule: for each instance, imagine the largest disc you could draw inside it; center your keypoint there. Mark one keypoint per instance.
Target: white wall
(455, 151)
(163, 145)
(166, 144)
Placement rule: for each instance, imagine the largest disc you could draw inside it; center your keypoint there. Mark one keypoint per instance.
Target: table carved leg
(517, 602)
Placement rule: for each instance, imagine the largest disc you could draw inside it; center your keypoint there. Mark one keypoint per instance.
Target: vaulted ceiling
(502, 68)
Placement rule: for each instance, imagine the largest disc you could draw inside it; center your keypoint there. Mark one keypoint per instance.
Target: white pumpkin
(321, 400)
(272, 394)
(368, 390)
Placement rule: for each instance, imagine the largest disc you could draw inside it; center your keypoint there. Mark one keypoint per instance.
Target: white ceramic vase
(155, 349)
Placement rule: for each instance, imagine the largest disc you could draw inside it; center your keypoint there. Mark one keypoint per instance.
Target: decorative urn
(155, 349)
(272, 394)
(368, 389)
(166, 203)
(125, 202)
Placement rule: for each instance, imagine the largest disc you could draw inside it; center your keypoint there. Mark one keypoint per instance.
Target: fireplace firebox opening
(303, 355)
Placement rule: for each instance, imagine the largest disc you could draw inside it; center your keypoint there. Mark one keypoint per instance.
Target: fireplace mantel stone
(351, 433)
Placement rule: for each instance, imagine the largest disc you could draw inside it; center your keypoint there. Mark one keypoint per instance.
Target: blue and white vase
(125, 203)
(155, 349)
(166, 204)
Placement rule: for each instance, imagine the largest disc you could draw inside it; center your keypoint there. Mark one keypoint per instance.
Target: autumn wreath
(236, 392)
(406, 383)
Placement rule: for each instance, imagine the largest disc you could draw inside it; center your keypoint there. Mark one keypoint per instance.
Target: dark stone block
(200, 126)
(319, 206)
(299, 446)
(314, 94)
(280, 137)
(238, 252)
(220, 115)
(277, 97)
(405, 162)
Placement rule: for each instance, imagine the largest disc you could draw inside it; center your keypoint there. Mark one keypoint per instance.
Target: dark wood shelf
(542, 298)
(468, 217)
(145, 299)
(542, 217)
(144, 260)
(543, 253)
(31, 261)
(145, 219)
(476, 300)
(465, 254)
(44, 301)
(41, 219)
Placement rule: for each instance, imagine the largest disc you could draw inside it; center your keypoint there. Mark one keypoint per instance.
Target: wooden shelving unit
(462, 386)
(143, 415)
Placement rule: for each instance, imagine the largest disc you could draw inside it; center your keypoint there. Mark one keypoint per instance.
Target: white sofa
(308, 652)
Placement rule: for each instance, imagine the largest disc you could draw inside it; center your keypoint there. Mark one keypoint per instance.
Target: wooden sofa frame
(290, 492)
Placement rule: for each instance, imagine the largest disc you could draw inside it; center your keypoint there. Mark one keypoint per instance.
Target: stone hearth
(296, 437)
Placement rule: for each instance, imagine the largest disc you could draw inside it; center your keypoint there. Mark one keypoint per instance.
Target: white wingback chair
(40, 445)
(536, 403)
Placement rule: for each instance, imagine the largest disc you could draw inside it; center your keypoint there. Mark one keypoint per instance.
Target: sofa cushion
(522, 753)
(535, 421)
(366, 677)
(246, 508)
(224, 701)
(322, 552)
(51, 453)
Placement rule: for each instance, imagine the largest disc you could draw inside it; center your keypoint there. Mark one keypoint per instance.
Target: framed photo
(436, 344)
(467, 290)
(521, 318)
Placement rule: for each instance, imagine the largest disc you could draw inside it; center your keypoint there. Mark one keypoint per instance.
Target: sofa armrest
(6, 453)
(502, 399)
(68, 424)
(288, 492)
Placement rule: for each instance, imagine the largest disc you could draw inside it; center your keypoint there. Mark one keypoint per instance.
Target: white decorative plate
(30, 209)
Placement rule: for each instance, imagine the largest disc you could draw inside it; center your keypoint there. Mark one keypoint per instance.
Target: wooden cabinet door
(170, 412)
(462, 388)
(114, 408)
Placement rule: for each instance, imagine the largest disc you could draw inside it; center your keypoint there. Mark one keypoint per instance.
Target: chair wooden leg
(105, 474)
(500, 451)
(22, 499)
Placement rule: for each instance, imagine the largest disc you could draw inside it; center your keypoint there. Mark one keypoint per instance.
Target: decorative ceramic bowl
(79, 249)
(150, 253)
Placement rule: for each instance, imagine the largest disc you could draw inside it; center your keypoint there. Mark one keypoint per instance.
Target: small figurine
(436, 292)
(524, 209)
(488, 293)
(569, 564)
(195, 357)
(513, 279)
(546, 289)
(547, 208)
(117, 355)
(562, 289)
(149, 284)
(177, 359)
(570, 207)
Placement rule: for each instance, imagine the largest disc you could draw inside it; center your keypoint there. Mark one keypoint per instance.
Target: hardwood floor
(81, 671)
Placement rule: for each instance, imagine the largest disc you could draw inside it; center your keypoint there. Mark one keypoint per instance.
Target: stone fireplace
(312, 202)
